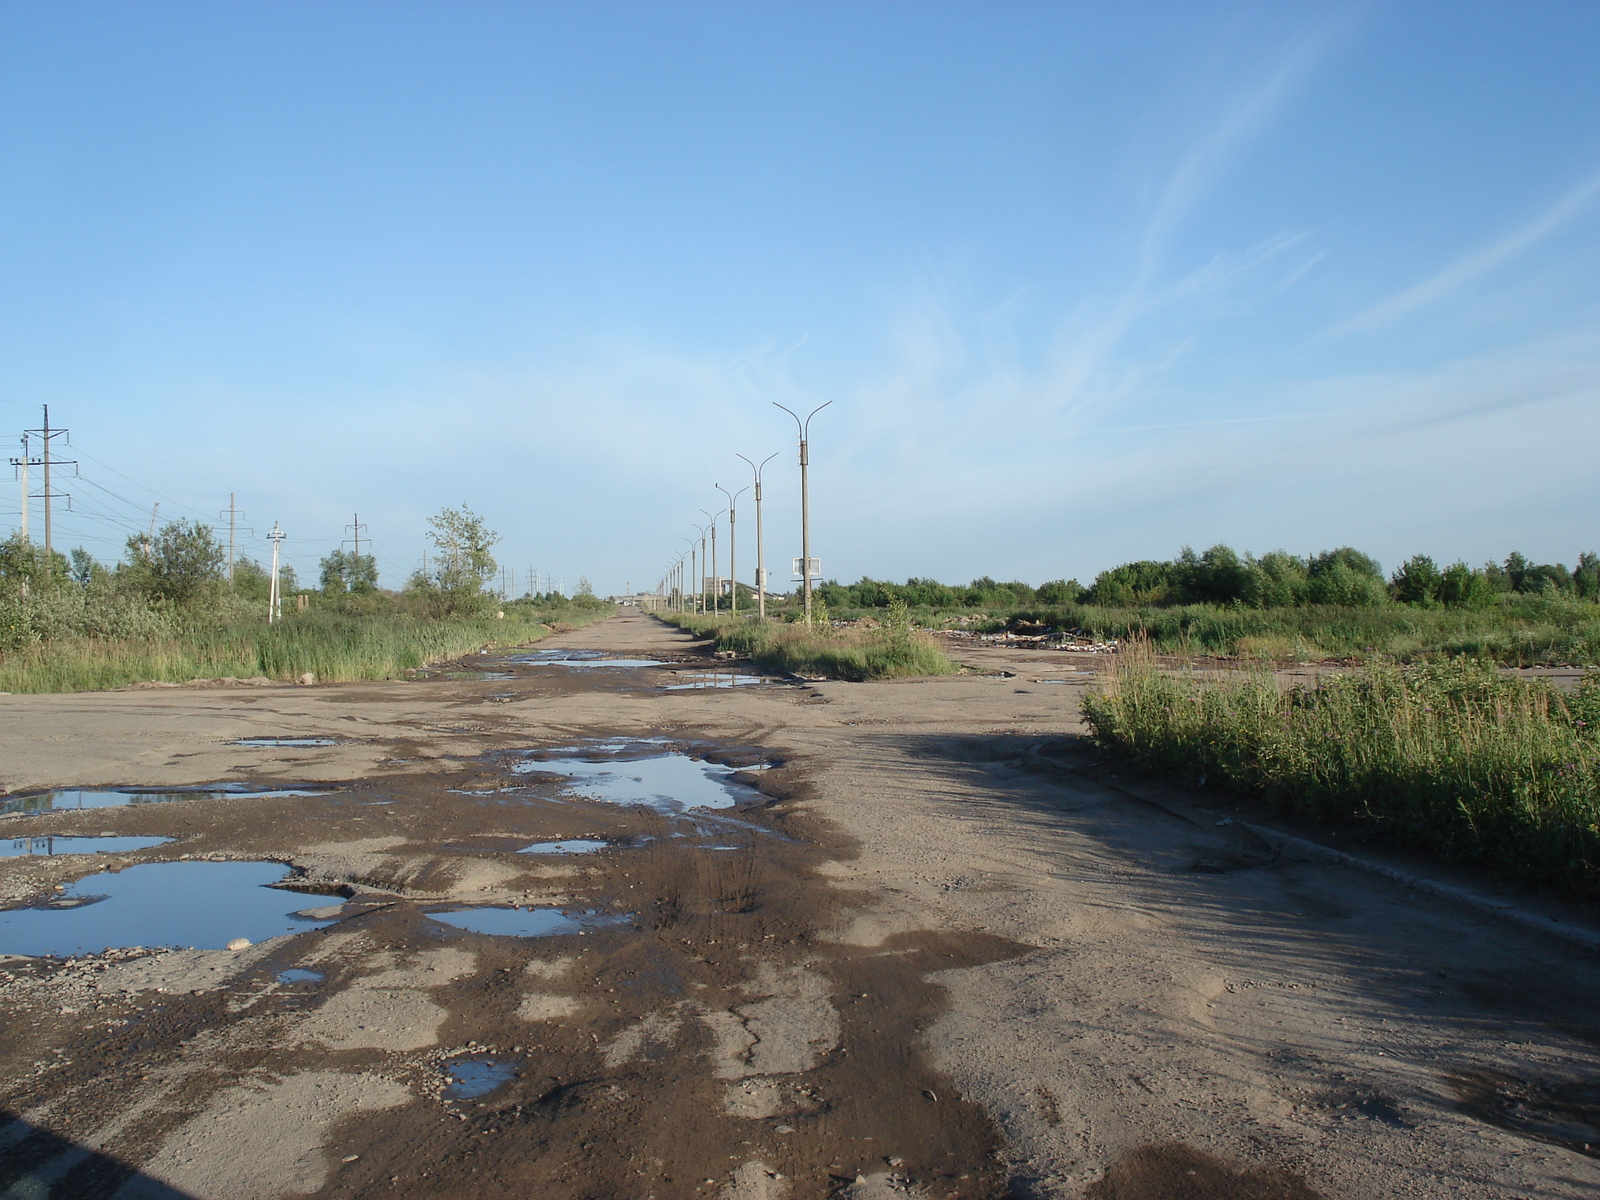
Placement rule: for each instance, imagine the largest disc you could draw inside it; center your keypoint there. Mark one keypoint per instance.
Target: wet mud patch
(77, 799)
(1559, 1112)
(1179, 1172)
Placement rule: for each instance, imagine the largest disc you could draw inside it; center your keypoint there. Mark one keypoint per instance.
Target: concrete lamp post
(805, 501)
(733, 546)
(761, 559)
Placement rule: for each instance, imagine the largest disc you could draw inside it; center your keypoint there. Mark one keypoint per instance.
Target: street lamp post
(805, 502)
(761, 561)
(716, 583)
(733, 545)
(694, 567)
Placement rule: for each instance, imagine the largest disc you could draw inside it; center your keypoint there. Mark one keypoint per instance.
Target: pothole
(570, 846)
(285, 741)
(299, 975)
(471, 1078)
(74, 799)
(713, 679)
(618, 772)
(190, 905)
(104, 844)
(498, 921)
(579, 660)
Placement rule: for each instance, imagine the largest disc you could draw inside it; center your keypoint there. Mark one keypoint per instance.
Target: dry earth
(933, 951)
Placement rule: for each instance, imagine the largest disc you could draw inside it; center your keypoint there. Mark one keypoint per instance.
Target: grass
(1451, 757)
(335, 648)
(1518, 630)
(851, 654)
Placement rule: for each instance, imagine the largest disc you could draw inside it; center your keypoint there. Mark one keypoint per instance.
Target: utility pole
(150, 538)
(46, 436)
(274, 600)
(232, 512)
(733, 545)
(22, 464)
(716, 580)
(805, 502)
(355, 528)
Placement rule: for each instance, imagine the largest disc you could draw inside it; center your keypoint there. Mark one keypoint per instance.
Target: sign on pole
(816, 568)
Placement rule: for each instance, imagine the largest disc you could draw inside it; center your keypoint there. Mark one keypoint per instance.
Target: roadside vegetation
(1454, 757)
(892, 649)
(1333, 605)
(169, 613)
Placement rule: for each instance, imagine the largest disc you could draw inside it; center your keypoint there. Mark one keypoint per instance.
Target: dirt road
(802, 940)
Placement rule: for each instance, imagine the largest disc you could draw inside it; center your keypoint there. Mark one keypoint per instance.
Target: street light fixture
(733, 545)
(694, 569)
(805, 502)
(716, 582)
(761, 561)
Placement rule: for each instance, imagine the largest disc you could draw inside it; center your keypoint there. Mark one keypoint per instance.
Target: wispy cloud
(1558, 215)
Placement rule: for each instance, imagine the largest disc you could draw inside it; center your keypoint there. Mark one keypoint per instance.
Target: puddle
(471, 676)
(669, 782)
(580, 660)
(18, 847)
(570, 846)
(73, 799)
(714, 679)
(299, 975)
(285, 741)
(194, 905)
(522, 922)
(474, 1077)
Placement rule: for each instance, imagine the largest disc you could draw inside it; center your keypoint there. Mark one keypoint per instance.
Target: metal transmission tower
(47, 435)
(22, 464)
(274, 600)
(761, 560)
(233, 512)
(808, 565)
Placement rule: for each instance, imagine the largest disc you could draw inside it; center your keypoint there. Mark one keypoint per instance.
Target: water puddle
(73, 799)
(714, 679)
(284, 741)
(474, 1077)
(299, 975)
(635, 773)
(523, 922)
(193, 905)
(570, 846)
(580, 660)
(20, 847)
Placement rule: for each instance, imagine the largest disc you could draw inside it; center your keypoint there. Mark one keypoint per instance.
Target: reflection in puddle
(299, 975)
(669, 782)
(284, 741)
(713, 679)
(579, 660)
(474, 1077)
(570, 846)
(195, 905)
(18, 847)
(522, 922)
(73, 799)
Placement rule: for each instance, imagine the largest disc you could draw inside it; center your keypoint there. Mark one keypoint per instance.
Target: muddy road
(608, 918)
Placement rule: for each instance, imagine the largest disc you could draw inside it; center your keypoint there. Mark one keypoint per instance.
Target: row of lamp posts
(695, 558)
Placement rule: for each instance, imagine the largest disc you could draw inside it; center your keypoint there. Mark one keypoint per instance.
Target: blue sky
(1084, 282)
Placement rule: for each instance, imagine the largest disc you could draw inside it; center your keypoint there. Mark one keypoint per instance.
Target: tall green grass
(335, 648)
(1453, 757)
(851, 654)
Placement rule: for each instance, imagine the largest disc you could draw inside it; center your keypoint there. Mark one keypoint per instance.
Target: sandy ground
(936, 951)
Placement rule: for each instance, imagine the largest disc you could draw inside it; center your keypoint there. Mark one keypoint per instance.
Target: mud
(928, 949)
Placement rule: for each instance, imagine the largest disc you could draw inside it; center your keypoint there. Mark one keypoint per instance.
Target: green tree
(462, 564)
(181, 566)
(23, 563)
(345, 571)
(1417, 581)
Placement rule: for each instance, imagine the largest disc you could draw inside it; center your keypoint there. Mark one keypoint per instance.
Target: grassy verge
(1515, 630)
(1450, 757)
(332, 647)
(839, 654)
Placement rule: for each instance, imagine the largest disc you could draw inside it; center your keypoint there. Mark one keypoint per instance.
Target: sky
(1081, 283)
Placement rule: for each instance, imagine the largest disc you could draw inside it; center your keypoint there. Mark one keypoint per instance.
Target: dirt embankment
(919, 950)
